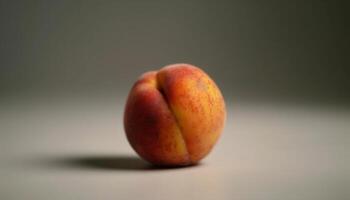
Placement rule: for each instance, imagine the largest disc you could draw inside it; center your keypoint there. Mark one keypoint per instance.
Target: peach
(174, 116)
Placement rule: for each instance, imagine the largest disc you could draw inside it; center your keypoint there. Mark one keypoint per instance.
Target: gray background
(277, 49)
(66, 68)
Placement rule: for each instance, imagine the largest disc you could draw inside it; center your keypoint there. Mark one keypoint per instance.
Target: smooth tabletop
(77, 149)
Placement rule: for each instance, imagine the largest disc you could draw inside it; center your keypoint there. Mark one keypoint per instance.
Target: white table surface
(76, 149)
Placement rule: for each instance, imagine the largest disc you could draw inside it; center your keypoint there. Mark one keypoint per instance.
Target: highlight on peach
(174, 116)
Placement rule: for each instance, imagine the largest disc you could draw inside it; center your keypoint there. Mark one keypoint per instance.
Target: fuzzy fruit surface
(174, 116)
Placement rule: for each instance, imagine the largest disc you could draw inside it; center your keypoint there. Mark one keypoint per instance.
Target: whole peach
(174, 116)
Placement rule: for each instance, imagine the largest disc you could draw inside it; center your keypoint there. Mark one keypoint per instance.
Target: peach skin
(174, 116)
